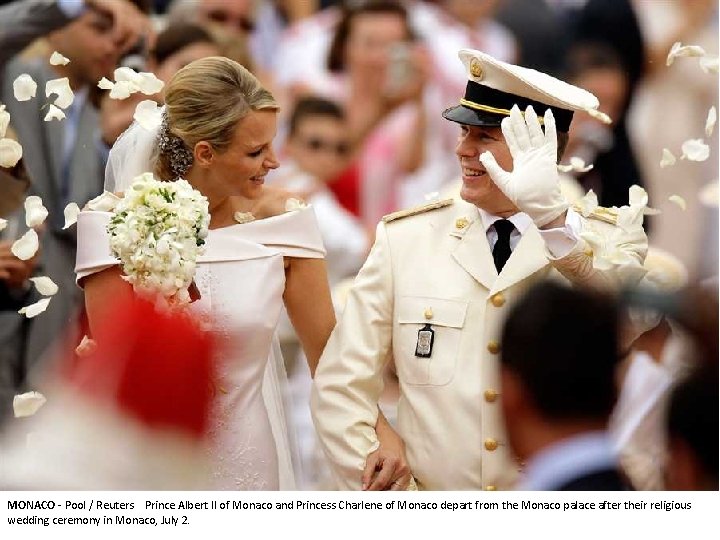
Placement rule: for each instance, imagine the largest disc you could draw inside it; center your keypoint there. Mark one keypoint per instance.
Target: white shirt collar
(521, 220)
(568, 459)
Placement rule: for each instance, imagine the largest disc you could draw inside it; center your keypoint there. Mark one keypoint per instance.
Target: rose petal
(677, 199)
(45, 285)
(599, 115)
(709, 64)
(128, 75)
(61, 88)
(3, 223)
(710, 121)
(57, 59)
(24, 87)
(679, 50)
(71, 212)
(105, 84)
(122, 90)
(695, 150)
(104, 202)
(4, 120)
(148, 114)
(35, 212)
(26, 246)
(87, 346)
(149, 84)
(54, 113)
(10, 153)
(33, 310)
(637, 196)
(588, 203)
(27, 404)
(667, 158)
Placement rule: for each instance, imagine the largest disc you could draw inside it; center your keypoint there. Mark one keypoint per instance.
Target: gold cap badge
(476, 69)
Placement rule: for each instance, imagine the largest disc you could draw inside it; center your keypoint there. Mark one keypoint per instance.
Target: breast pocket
(446, 318)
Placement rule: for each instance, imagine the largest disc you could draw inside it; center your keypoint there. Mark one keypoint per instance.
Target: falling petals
(576, 165)
(54, 113)
(668, 158)
(709, 64)
(121, 90)
(71, 212)
(35, 212)
(4, 120)
(710, 121)
(148, 114)
(24, 87)
(105, 84)
(677, 199)
(679, 50)
(45, 285)
(105, 202)
(10, 153)
(26, 246)
(57, 59)
(128, 81)
(27, 404)
(599, 115)
(33, 310)
(61, 88)
(588, 203)
(695, 150)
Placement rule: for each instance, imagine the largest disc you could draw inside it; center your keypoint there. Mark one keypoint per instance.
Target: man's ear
(203, 153)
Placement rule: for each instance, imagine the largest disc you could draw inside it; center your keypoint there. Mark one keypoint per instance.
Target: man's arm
(348, 380)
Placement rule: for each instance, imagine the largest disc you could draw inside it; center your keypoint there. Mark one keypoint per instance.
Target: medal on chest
(426, 336)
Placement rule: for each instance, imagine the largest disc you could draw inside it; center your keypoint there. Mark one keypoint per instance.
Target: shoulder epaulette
(608, 215)
(416, 210)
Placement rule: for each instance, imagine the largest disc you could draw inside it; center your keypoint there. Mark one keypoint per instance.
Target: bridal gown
(241, 279)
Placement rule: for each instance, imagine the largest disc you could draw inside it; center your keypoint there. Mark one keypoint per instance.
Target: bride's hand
(387, 467)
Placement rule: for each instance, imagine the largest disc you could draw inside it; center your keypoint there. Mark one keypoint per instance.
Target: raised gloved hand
(533, 185)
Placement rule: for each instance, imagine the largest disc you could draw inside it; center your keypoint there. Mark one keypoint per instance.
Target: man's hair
(178, 36)
(562, 344)
(309, 107)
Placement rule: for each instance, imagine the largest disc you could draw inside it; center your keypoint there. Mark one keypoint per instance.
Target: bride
(217, 133)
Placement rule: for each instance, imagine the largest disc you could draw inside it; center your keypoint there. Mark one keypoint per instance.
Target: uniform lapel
(472, 252)
(528, 257)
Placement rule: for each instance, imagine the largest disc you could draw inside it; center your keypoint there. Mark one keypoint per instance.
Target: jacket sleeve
(348, 381)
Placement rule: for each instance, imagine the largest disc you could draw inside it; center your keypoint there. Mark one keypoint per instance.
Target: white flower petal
(3, 223)
(57, 59)
(679, 50)
(149, 84)
(148, 114)
(54, 113)
(10, 153)
(709, 64)
(45, 285)
(87, 346)
(667, 158)
(61, 88)
(70, 212)
(26, 246)
(695, 150)
(35, 212)
(104, 84)
(24, 87)
(122, 90)
(637, 196)
(33, 310)
(599, 115)
(710, 121)
(27, 404)
(104, 202)
(677, 199)
(588, 203)
(4, 120)
(128, 75)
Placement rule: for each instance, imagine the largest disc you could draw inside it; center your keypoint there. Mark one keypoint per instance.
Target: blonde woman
(262, 251)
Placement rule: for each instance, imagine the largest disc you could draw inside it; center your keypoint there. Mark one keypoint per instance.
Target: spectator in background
(558, 355)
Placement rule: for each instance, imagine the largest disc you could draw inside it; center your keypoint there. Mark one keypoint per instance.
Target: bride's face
(243, 165)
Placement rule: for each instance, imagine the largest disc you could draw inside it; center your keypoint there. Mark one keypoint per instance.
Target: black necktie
(501, 251)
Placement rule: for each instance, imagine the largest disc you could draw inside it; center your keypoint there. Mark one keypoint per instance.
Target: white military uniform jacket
(433, 267)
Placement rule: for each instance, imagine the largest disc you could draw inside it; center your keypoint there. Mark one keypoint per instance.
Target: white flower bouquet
(157, 231)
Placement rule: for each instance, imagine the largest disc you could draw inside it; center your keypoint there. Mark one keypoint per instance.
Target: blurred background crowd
(362, 85)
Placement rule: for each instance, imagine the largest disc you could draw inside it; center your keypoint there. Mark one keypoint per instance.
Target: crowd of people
(362, 110)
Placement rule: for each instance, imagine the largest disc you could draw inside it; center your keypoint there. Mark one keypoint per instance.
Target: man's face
(478, 188)
(235, 16)
(320, 146)
(89, 45)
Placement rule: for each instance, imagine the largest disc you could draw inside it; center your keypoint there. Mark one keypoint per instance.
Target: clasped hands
(533, 184)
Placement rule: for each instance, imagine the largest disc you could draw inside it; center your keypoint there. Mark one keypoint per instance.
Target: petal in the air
(677, 199)
(148, 114)
(45, 285)
(71, 212)
(26, 246)
(27, 404)
(695, 150)
(10, 153)
(54, 113)
(57, 59)
(33, 310)
(61, 88)
(35, 211)
(668, 158)
(24, 87)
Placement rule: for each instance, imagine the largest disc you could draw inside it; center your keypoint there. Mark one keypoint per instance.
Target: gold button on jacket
(498, 300)
(491, 444)
(490, 395)
(493, 346)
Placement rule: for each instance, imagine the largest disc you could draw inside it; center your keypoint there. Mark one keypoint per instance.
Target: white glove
(533, 185)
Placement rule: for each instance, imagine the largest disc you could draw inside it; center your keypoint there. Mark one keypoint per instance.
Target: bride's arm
(309, 306)
(102, 291)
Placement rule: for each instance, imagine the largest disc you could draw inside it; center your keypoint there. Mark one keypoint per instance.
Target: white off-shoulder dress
(241, 279)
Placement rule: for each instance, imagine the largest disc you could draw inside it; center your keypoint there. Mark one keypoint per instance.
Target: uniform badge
(426, 336)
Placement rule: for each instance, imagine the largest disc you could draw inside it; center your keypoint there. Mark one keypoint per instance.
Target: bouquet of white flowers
(157, 231)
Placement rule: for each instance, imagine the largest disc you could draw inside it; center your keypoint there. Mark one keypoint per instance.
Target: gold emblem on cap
(476, 68)
(461, 223)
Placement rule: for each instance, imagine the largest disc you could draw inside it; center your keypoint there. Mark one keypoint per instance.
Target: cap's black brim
(471, 117)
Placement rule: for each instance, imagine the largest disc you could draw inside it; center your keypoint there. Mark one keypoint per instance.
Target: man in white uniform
(438, 282)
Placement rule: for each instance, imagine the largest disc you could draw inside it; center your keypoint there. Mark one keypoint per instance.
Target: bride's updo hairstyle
(204, 101)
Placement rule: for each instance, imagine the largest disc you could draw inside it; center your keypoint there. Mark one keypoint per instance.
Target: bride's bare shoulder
(274, 201)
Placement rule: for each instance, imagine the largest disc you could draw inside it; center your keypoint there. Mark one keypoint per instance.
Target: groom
(440, 279)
